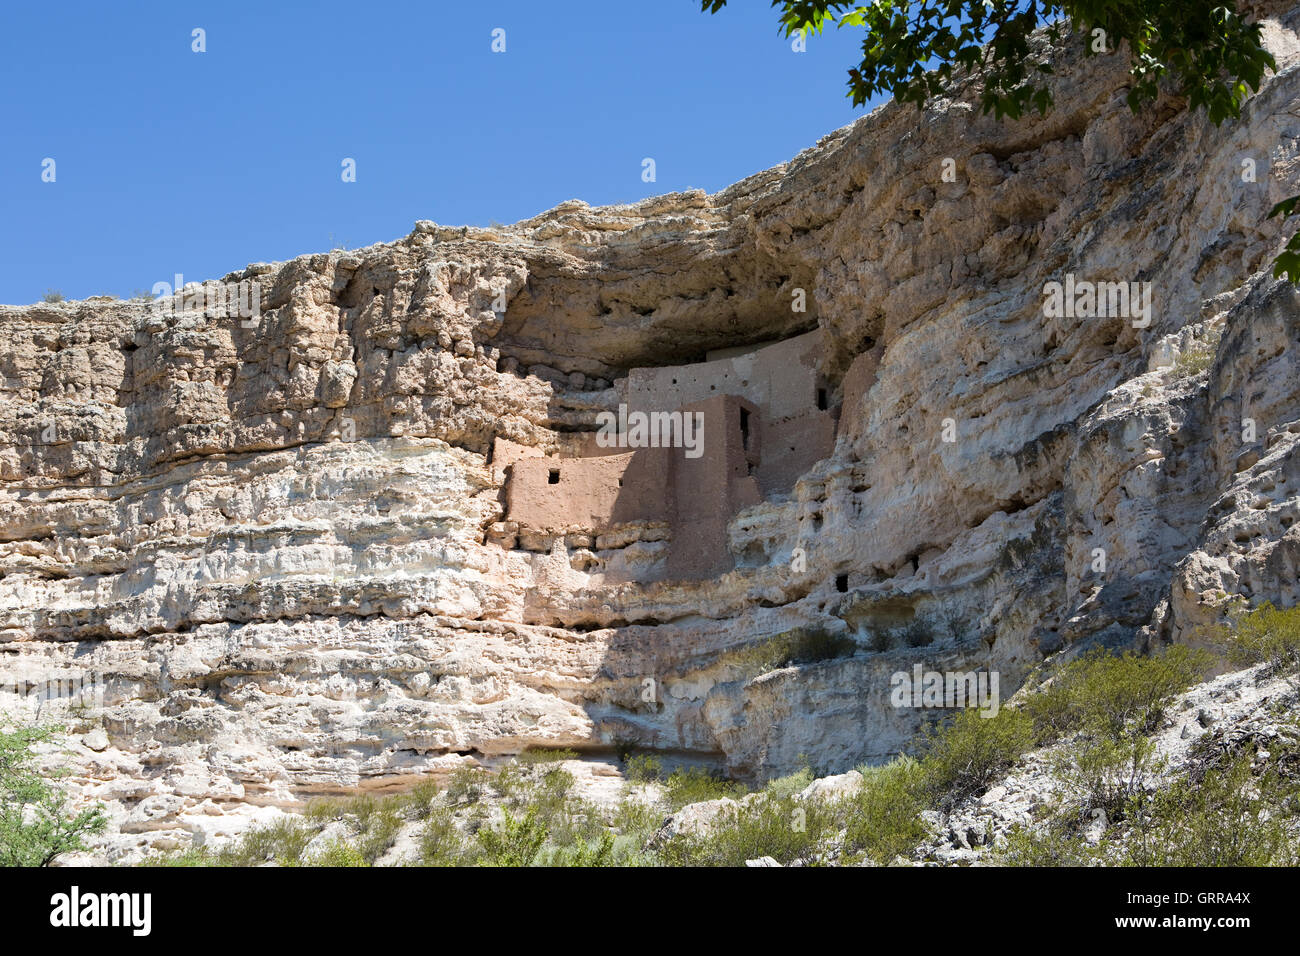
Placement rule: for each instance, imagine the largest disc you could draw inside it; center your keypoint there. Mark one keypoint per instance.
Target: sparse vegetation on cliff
(1089, 728)
(37, 825)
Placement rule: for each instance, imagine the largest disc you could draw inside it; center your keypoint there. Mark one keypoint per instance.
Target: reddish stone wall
(743, 459)
(590, 494)
(857, 382)
(791, 447)
(711, 489)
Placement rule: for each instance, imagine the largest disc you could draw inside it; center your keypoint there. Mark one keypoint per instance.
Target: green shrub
(787, 786)
(1107, 774)
(637, 819)
(784, 829)
(282, 842)
(962, 758)
(643, 768)
(582, 852)
(1052, 844)
(514, 842)
(1115, 695)
(52, 296)
(801, 645)
(1229, 817)
(467, 785)
(441, 843)
(538, 755)
(506, 781)
(338, 853)
(36, 825)
(421, 797)
(1267, 634)
(379, 833)
(692, 785)
(885, 815)
(322, 810)
(195, 856)
(1199, 355)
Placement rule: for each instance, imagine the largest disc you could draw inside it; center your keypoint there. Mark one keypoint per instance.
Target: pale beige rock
(283, 552)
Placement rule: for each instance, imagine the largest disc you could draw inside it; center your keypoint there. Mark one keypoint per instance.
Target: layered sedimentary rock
(284, 554)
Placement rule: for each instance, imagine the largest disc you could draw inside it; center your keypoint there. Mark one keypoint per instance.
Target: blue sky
(173, 161)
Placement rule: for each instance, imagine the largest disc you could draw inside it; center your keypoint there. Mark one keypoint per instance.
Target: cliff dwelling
(762, 415)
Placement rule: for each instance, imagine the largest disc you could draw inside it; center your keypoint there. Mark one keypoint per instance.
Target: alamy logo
(1085, 300)
(218, 300)
(73, 909)
(922, 688)
(79, 690)
(652, 430)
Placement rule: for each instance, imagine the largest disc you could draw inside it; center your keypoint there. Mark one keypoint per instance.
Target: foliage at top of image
(52, 297)
(36, 824)
(1204, 50)
(913, 49)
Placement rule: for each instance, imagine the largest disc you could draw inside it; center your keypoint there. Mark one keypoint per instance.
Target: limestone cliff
(292, 554)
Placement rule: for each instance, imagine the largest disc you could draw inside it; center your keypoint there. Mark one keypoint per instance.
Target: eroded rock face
(283, 551)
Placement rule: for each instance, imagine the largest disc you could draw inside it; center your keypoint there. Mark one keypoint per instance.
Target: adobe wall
(749, 451)
(506, 452)
(857, 383)
(589, 493)
(791, 447)
(781, 379)
(711, 489)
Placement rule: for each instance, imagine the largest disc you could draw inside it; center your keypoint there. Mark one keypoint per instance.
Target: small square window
(553, 477)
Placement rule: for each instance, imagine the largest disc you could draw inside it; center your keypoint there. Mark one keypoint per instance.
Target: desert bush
(467, 785)
(884, 817)
(643, 768)
(515, 841)
(963, 757)
(1054, 843)
(532, 756)
(1229, 817)
(1102, 773)
(337, 853)
(636, 818)
(1199, 355)
(599, 851)
(693, 785)
(801, 645)
(787, 786)
(281, 842)
(1115, 695)
(1268, 635)
(782, 828)
(378, 833)
(441, 842)
(420, 798)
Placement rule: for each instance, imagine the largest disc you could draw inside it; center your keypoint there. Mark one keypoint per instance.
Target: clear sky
(167, 160)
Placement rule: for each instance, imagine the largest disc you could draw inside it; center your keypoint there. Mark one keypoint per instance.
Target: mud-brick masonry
(766, 421)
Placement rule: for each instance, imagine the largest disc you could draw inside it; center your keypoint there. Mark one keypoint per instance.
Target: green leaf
(1285, 208)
